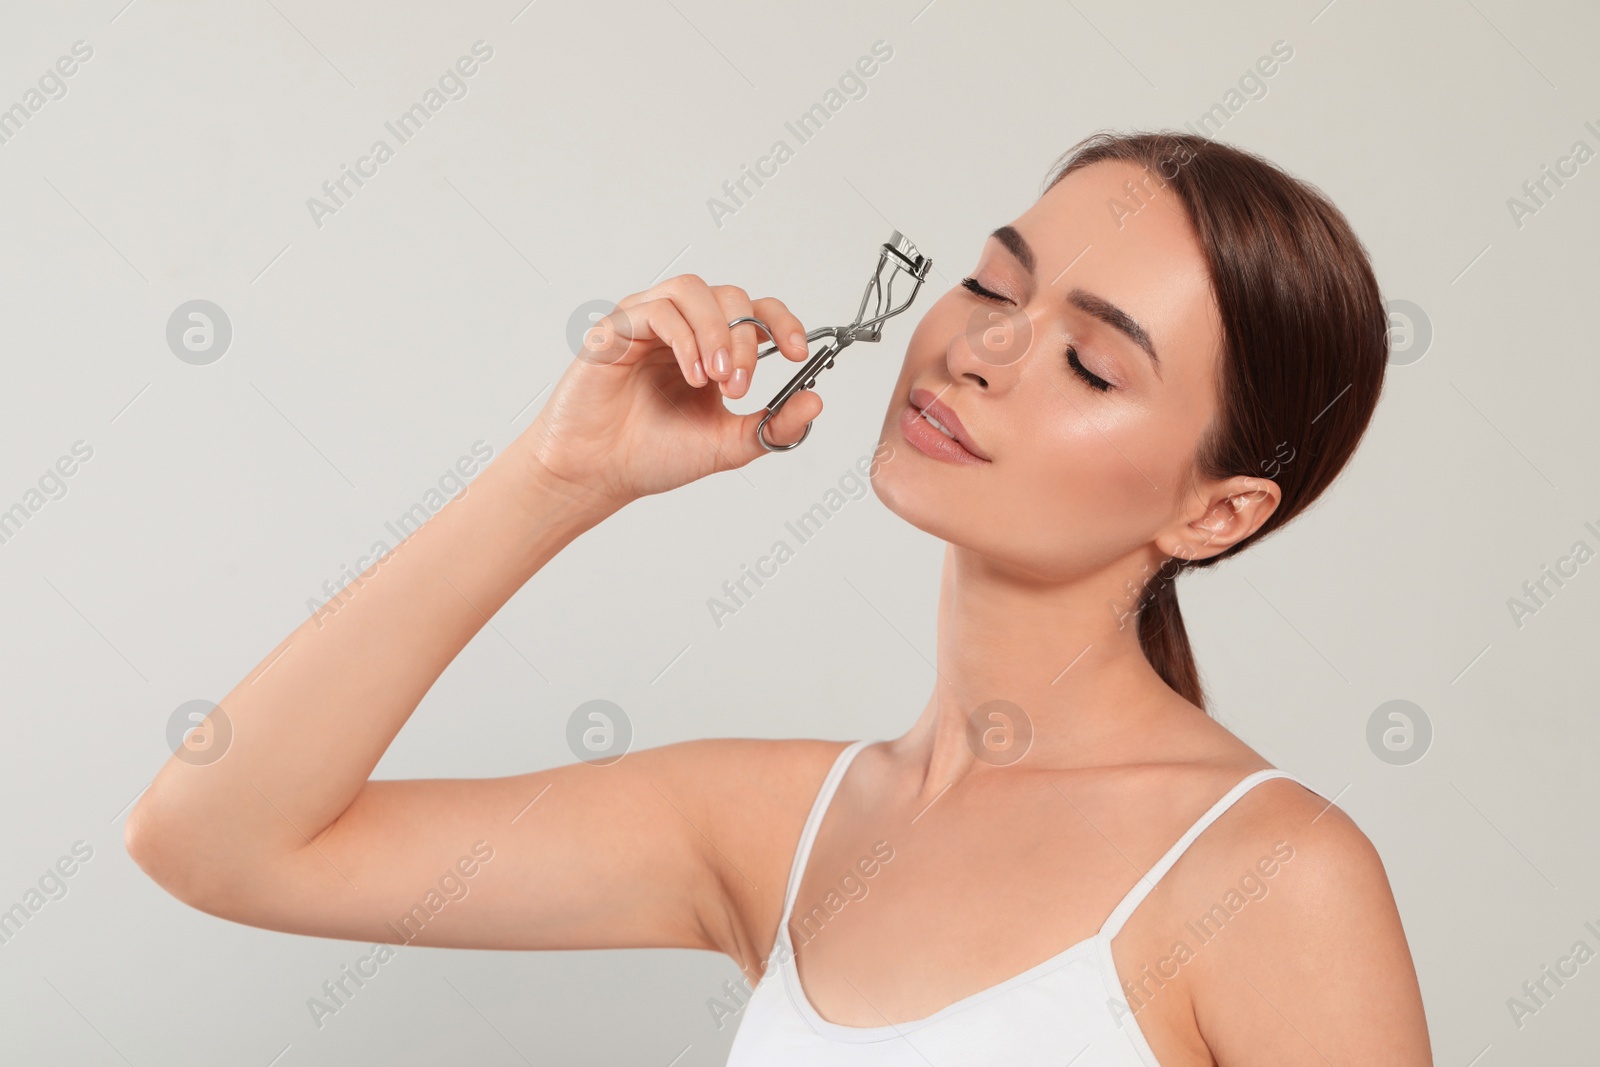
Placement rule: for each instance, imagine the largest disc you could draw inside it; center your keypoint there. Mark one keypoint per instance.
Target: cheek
(1094, 486)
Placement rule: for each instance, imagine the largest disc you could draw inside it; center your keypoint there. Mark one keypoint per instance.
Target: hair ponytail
(1305, 340)
(1165, 641)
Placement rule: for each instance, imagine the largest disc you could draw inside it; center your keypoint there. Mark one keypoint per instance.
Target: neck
(1054, 668)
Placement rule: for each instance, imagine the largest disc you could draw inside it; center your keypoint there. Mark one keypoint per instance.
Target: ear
(1223, 514)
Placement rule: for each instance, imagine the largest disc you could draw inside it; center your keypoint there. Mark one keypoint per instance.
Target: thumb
(786, 427)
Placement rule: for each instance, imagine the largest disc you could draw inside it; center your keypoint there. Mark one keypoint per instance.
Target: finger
(664, 320)
(625, 335)
(786, 328)
(700, 308)
(612, 338)
(747, 337)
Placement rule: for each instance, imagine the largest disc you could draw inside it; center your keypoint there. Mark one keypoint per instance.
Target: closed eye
(1093, 380)
(1089, 376)
(971, 285)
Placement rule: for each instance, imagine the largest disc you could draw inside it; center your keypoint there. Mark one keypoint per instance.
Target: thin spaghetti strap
(808, 836)
(1148, 880)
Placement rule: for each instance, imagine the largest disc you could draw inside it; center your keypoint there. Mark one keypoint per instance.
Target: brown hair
(1304, 340)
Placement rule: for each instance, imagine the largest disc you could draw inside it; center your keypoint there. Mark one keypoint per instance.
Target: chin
(907, 483)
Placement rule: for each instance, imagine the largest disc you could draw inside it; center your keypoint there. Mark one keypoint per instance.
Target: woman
(1064, 859)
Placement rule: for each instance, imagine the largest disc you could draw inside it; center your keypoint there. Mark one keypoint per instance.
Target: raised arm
(286, 831)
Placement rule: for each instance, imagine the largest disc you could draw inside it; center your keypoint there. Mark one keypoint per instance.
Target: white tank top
(1070, 1009)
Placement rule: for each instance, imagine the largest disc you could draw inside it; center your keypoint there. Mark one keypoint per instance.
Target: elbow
(148, 846)
(200, 858)
(167, 854)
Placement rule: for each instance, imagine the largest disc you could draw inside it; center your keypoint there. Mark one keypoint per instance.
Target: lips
(931, 411)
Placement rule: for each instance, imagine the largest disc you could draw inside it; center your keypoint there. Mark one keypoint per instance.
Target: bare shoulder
(1278, 840)
(1313, 937)
(751, 797)
(1274, 931)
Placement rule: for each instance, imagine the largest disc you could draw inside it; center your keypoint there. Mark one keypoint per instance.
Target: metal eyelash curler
(902, 257)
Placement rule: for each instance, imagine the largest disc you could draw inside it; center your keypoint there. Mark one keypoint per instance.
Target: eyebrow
(1088, 302)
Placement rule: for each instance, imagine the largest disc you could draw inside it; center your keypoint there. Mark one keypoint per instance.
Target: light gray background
(432, 311)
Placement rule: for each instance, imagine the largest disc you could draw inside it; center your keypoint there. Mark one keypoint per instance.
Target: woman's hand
(640, 410)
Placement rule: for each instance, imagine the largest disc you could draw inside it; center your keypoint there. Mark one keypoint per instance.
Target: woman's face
(1067, 473)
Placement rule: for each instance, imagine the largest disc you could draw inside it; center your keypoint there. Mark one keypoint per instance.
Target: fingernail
(697, 373)
(737, 382)
(798, 340)
(719, 362)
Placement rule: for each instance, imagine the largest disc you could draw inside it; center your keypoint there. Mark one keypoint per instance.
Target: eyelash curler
(901, 257)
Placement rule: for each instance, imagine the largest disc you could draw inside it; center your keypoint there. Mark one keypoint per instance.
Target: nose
(990, 349)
